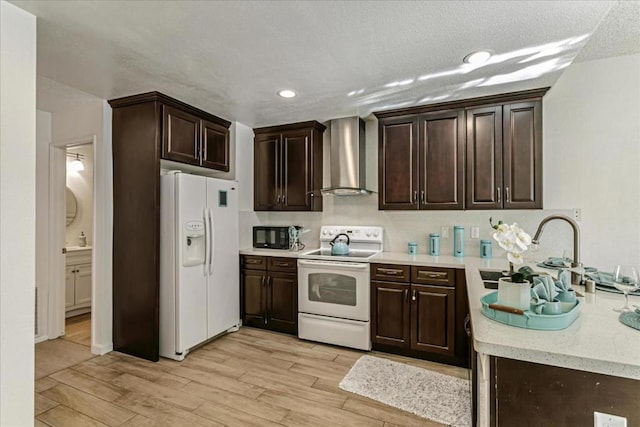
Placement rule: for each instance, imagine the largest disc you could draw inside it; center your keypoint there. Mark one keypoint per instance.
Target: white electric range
(334, 290)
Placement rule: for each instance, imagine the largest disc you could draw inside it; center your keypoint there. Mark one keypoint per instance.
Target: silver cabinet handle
(506, 190)
(422, 197)
(283, 199)
(499, 198)
(432, 274)
(413, 297)
(415, 196)
(390, 271)
(278, 202)
(406, 295)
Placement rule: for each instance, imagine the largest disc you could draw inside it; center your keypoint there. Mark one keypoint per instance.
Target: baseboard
(101, 349)
(41, 338)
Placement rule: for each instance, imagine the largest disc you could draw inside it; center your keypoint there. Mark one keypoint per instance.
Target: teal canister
(485, 249)
(434, 244)
(458, 241)
(412, 248)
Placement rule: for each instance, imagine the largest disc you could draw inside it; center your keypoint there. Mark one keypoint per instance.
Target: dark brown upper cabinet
(147, 128)
(480, 153)
(504, 156)
(288, 167)
(190, 138)
(421, 161)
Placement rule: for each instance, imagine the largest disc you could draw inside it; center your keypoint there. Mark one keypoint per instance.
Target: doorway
(78, 242)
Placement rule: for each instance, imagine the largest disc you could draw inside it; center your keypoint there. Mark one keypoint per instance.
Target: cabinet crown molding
(291, 126)
(532, 94)
(165, 99)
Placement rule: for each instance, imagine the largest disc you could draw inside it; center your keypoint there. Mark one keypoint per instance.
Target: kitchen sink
(490, 278)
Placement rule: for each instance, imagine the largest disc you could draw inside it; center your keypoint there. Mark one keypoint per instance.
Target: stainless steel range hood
(347, 158)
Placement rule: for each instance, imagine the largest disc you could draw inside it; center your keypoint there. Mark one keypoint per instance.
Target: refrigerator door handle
(212, 241)
(207, 243)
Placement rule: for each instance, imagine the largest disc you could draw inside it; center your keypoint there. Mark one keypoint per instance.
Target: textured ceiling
(343, 58)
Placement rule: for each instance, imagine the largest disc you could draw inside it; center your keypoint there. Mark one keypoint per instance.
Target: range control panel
(356, 233)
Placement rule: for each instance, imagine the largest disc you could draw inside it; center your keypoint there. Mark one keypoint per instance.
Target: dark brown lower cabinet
(269, 299)
(529, 394)
(424, 319)
(433, 319)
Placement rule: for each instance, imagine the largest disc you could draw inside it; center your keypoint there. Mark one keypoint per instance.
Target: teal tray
(529, 320)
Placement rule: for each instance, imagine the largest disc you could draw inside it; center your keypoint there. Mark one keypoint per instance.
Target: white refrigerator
(199, 272)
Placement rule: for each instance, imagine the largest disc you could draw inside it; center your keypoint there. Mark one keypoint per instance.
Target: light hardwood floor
(248, 378)
(78, 329)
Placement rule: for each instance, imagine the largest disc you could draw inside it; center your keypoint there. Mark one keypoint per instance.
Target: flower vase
(511, 294)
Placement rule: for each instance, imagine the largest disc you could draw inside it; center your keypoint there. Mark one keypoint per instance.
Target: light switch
(607, 420)
(475, 232)
(444, 232)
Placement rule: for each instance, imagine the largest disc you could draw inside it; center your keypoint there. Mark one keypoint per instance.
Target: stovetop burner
(365, 242)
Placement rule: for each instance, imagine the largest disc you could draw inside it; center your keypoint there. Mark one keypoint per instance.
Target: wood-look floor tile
(333, 372)
(281, 376)
(387, 413)
(250, 406)
(332, 416)
(38, 423)
(91, 406)
(78, 330)
(231, 417)
(196, 361)
(219, 381)
(297, 419)
(99, 372)
(141, 421)
(88, 384)
(158, 391)
(321, 397)
(267, 362)
(43, 404)
(45, 383)
(55, 355)
(275, 336)
(62, 416)
(163, 413)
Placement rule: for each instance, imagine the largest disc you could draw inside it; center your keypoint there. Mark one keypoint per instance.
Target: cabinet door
(484, 158)
(180, 136)
(398, 164)
(433, 319)
(390, 319)
(266, 179)
(441, 164)
(69, 287)
(214, 146)
(522, 147)
(296, 171)
(83, 285)
(282, 302)
(254, 297)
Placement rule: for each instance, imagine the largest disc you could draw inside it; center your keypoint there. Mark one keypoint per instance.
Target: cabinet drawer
(282, 264)
(390, 272)
(433, 276)
(253, 262)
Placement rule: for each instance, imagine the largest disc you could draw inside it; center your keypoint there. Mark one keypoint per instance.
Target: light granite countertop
(595, 342)
(274, 252)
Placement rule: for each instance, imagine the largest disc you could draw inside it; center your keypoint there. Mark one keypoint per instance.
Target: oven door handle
(333, 264)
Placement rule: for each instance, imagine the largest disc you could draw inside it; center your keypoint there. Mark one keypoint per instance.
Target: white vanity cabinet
(78, 281)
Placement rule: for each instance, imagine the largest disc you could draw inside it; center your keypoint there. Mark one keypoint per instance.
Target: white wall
(94, 118)
(43, 139)
(592, 155)
(17, 213)
(81, 185)
(591, 125)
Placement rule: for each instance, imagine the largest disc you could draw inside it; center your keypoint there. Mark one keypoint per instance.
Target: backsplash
(402, 227)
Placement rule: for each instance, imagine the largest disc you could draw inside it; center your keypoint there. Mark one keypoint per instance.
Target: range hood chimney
(347, 158)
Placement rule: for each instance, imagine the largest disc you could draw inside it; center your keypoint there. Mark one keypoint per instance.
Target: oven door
(336, 289)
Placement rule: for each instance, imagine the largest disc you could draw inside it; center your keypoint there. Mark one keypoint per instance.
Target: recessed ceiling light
(477, 57)
(286, 93)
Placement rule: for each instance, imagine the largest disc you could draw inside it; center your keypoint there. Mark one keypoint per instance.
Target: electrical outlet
(607, 420)
(577, 214)
(475, 232)
(444, 233)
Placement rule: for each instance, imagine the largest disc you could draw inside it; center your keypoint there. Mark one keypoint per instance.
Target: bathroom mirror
(72, 206)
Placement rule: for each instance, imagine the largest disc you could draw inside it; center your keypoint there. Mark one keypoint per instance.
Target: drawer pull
(432, 274)
(390, 271)
(283, 264)
(253, 261)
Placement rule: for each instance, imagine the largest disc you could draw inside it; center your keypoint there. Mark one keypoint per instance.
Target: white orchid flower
(515, 258)
(513, 240)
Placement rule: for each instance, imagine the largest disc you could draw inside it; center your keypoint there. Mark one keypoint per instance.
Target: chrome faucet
(576, 278)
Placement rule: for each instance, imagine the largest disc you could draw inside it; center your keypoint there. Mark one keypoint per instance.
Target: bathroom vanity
(77, 281)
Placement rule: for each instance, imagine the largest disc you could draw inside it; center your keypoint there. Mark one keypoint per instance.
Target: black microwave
(271, 237)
